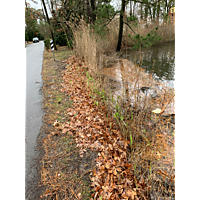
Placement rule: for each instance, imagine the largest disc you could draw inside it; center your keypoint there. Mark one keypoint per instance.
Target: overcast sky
(38, 6)
(34, 5)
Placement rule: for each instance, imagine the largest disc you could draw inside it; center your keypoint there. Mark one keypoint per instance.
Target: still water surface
(160, 60)
(129, 81)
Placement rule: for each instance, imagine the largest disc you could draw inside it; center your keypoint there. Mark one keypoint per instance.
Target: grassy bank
(149, 135)
(100, 145)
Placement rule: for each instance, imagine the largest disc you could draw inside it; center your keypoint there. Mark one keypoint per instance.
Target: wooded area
(52, 20)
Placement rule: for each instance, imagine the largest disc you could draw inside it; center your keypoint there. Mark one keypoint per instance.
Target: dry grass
(92, 48)
(85, 45)
(151, 136)
(63, 172)
(165, 31)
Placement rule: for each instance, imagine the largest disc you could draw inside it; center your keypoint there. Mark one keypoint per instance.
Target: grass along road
(86, 155)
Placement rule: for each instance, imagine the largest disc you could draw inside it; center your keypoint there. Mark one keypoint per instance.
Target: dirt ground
(63, 173)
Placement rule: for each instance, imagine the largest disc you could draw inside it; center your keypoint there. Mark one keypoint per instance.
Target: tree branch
(129, 26)
(110, 20)
(136, 1)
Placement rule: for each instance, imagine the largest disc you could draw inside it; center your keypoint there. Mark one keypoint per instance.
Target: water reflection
(133, 84)
(159, 59)
(138, 94)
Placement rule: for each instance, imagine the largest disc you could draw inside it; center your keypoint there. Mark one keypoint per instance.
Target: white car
(35, 39)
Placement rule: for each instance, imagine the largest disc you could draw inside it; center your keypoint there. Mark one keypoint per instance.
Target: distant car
(35, 39)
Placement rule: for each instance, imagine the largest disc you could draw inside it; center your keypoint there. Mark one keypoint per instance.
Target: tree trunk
(93, 10)
(141, 12)
(49, 24)
(146, 10)
(88, 11)
(134, 3)
(158, 12)
(131, 13)
(154, 12)
(121, 24)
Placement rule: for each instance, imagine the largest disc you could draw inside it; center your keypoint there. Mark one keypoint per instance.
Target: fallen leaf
(56, 123)
(70, 113)
(47, 194)
(107, 165)
(115, 172)
(98, 127)
(156, 111)
(131, 193)
(119, 169)
(79, 195)
(64, 130)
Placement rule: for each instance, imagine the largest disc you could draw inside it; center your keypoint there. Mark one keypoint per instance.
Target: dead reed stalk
(150, 136)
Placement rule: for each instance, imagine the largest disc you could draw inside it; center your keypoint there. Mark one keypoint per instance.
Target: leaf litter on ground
(113, 176)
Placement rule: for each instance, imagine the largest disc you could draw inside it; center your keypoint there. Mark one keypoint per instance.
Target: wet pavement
(34, 112)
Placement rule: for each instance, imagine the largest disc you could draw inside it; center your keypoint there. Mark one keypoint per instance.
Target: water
(160, 60)
(148, 78)
(151, 72)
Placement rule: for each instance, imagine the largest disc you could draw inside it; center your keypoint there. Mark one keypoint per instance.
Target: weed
(131, 140)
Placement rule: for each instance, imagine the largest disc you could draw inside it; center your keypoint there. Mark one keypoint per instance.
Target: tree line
(51, 20)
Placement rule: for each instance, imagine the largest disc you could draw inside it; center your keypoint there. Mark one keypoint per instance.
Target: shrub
(26, 36)
(147, 41)
(30, 35)
(47, 43)
(40, 36)
(61, 39)
(133, 18)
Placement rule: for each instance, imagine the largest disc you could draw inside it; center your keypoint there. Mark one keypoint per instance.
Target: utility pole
(49, 23)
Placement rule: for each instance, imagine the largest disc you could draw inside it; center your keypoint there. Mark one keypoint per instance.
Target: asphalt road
(34, 58)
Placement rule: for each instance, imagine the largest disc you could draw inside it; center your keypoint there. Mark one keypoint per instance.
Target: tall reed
(149, 135)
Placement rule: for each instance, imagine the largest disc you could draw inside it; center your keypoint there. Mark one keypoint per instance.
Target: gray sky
(114, 3)
(34, 5)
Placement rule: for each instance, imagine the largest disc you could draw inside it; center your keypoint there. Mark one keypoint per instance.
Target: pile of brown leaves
(113, 177)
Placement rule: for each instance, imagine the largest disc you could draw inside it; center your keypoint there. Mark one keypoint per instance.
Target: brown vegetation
(135, 145)
(149, 137)
(165, 31)
(93, 47)
(133, 159)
